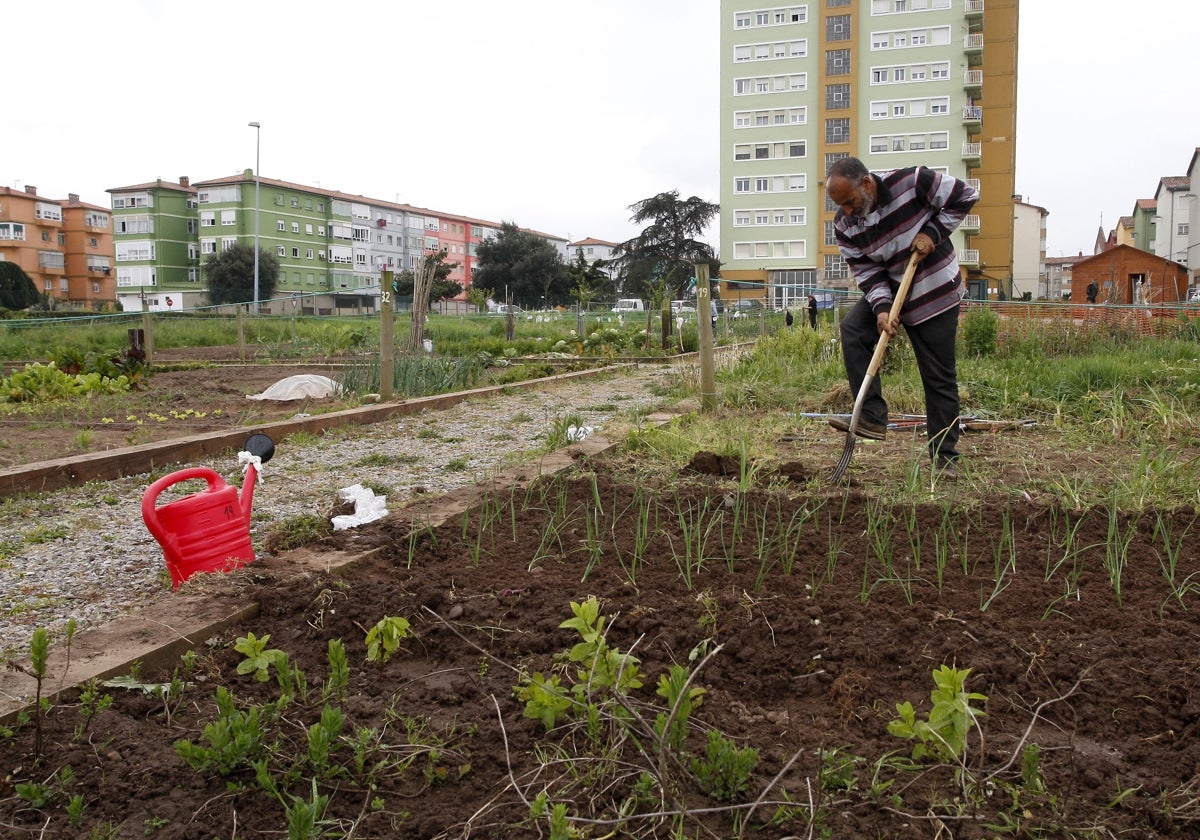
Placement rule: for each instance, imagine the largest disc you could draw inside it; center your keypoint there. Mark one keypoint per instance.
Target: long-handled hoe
(873, 368)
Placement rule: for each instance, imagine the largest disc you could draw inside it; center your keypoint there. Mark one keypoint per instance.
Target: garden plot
(594, 655)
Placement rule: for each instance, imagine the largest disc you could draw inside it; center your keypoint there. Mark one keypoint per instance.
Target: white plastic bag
(367, 507)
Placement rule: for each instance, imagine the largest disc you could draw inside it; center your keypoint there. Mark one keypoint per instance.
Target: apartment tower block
(895, 83)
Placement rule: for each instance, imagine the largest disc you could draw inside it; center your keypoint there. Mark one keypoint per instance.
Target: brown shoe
(946, 469)
(866, 429)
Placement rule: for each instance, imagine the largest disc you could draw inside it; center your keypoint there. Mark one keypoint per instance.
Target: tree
(525, 264)
(589, 281)
(230, 275)
(440, 288)
(17, 290)
(662, 258)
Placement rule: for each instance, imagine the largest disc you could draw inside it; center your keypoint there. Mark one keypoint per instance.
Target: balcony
(973, 9)
(972, 153)
(969, 256)
(973, 83)
(973, 47)
(972, 118)
(970, 224)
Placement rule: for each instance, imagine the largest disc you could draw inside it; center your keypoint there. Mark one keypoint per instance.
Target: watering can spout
(257, 450)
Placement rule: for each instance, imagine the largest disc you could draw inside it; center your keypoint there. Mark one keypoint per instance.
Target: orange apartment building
(66, 247)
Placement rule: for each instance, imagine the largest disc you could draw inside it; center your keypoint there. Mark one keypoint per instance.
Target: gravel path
(85, 553)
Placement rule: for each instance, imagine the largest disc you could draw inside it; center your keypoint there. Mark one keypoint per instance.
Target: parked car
(504, 309)
(744, 308)
(1194, 297)
(629, 305)
(678, 306)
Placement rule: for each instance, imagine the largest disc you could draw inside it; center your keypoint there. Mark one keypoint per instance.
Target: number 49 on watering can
(208, 531)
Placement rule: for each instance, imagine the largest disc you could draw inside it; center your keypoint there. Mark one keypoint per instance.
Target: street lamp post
(257, 136)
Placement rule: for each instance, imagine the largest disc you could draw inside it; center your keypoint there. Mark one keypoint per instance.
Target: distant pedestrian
(1093, 290)
(812, 311)
(712, 304)
(787, 317)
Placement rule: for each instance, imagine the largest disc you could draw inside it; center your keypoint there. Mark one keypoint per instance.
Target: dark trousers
(933, 344)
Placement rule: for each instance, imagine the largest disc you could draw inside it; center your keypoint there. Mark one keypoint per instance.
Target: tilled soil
(804, 615)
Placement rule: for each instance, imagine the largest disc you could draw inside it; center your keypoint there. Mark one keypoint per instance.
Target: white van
(629, 305)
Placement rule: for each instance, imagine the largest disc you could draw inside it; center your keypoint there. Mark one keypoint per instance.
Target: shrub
(979, 331)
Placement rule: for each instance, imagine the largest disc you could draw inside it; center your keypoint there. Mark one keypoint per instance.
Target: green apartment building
(895, 83)
(332, 247)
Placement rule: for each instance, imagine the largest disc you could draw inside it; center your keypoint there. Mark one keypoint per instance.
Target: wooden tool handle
(910, 271)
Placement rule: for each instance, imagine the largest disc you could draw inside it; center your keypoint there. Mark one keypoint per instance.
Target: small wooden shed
(1125, 274)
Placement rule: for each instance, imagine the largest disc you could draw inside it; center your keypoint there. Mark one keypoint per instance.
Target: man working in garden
(884, 219)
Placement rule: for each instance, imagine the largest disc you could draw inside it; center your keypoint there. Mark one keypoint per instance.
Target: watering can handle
(149, 509)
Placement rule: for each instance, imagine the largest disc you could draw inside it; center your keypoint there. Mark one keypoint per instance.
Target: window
(797, 183)
(741, 185)
(762, 152)
(320, 230)
(939, 106)
(296, 202)
(835, 267)
(898, 109)
(228, 217)
(228, 242)
(899, 74)
(295, 227)
(918, 73)
(837, 62)
(880, 41)
(208, 219)
(1181, 229)
(295, 253)
(193, 226)
(741, 218)
(62, 240)
(837, 130)
(837, 28)
(12, 230)
(280, 251)
(93, 242)
(837, 97)
(762, 184)
(898, 144)
(308, 229)
(797, 149)
(879, 110)
(308, 254)
(762, 217)
(797, 216)
(940, 71)
(830, 235)
(207, 246)
(920, 39)
(741, 152)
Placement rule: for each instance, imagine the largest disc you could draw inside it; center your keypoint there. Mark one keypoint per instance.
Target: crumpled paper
(367, 507)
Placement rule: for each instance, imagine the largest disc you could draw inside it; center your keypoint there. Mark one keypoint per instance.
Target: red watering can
(208, 531)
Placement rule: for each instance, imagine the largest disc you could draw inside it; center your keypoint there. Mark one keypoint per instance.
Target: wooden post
(148, 331)
(387, 346)
(241, 331)
(704, 325)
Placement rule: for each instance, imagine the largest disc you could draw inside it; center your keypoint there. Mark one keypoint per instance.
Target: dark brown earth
(804, 612)
(171, 402)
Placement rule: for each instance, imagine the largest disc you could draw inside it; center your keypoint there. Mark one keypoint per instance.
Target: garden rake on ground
(873, 368)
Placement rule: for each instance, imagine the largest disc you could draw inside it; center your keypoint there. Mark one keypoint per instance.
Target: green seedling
(259, 658)
(385, 637)
(944, 735)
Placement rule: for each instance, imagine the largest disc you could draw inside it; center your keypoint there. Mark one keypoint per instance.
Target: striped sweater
(877, 246)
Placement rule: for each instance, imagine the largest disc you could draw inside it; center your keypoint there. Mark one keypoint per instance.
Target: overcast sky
(555, 114)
